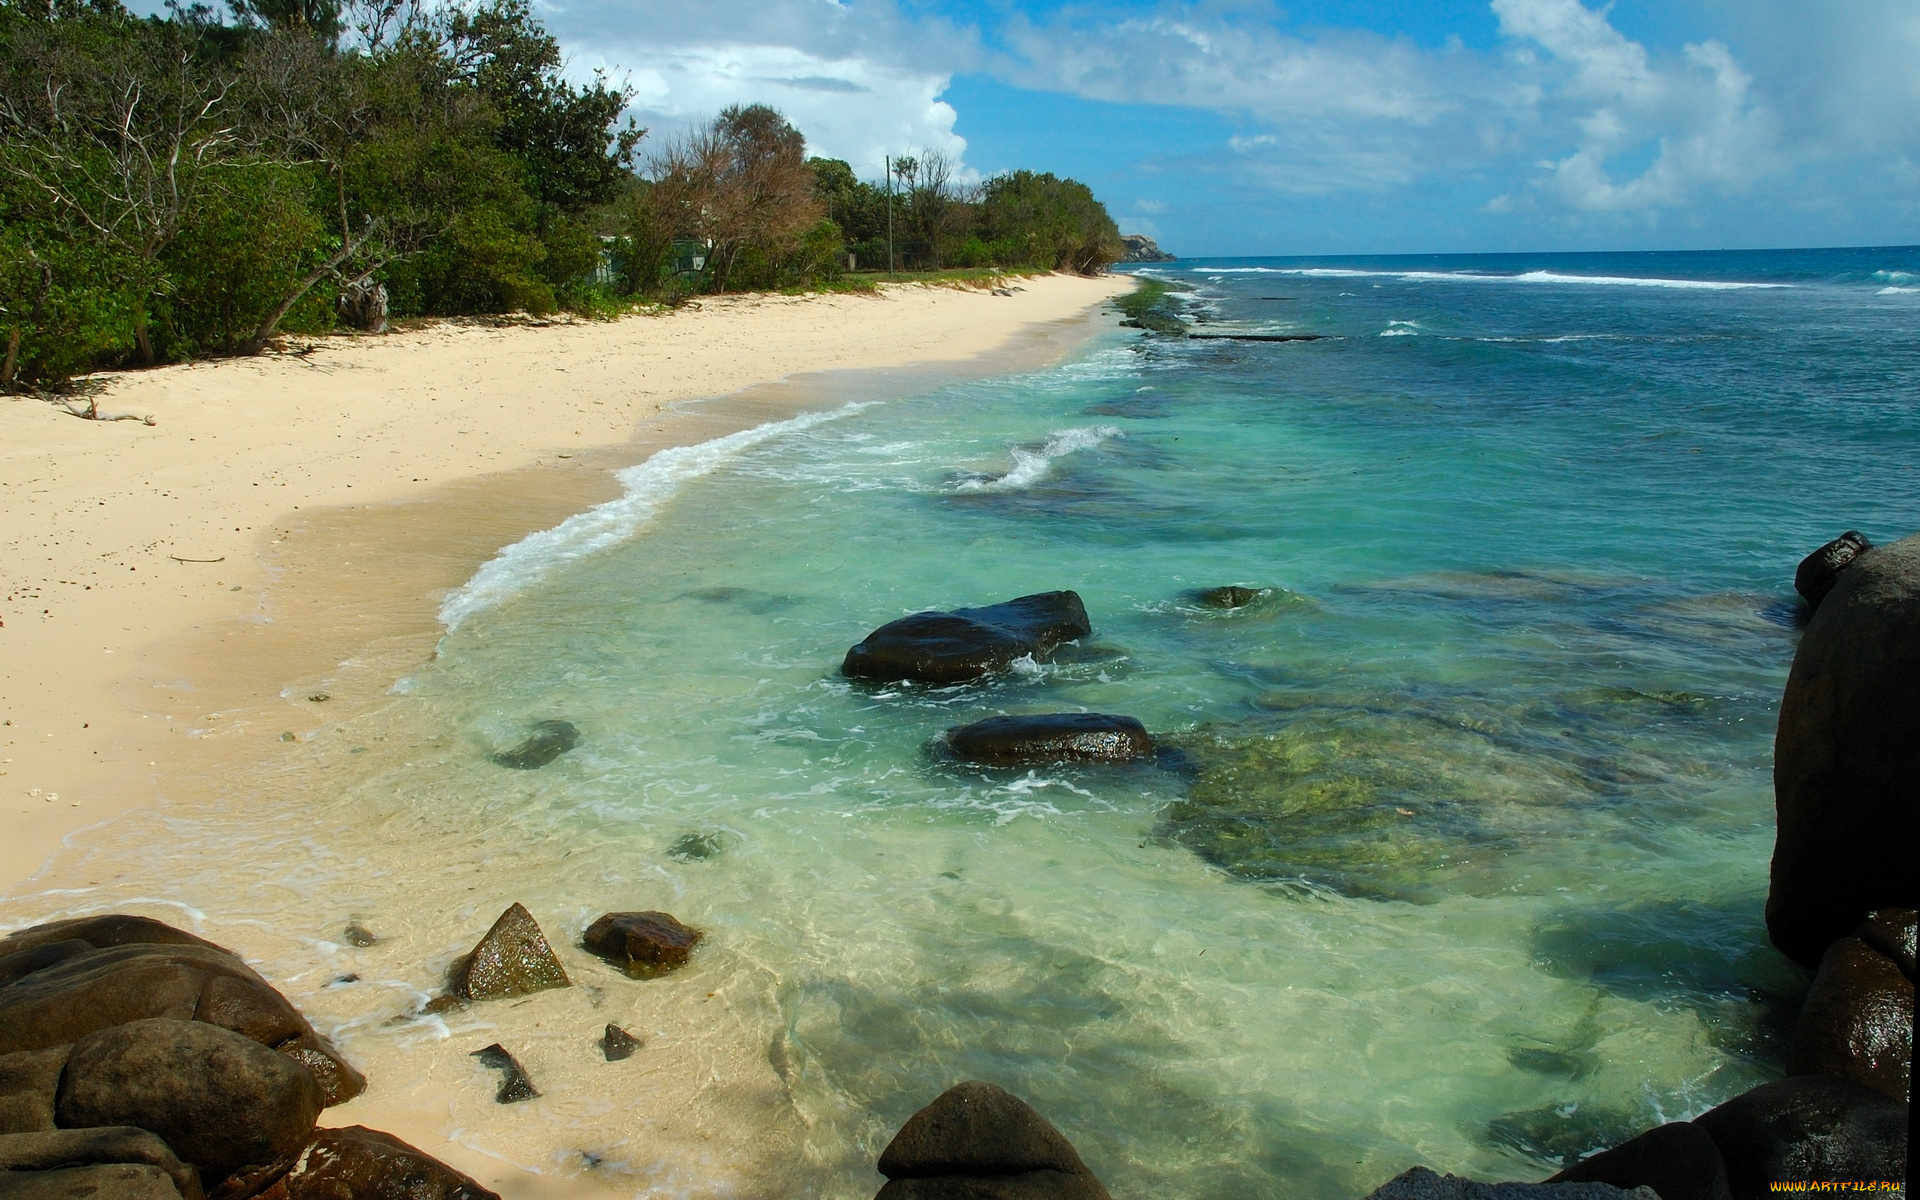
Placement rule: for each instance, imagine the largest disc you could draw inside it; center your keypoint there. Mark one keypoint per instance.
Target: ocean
(1457, 850)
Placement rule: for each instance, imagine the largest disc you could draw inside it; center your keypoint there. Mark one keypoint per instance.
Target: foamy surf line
(648, 486)
(1030, 466)
(1711, 285)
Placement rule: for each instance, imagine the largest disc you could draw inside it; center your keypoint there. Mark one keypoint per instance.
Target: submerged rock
(643, 944)
(357, 1163)
(1819, 571)
(233, 1108)
(1678, 1161)
(968, 643)
(698, 847)
(1857, 1022)
(978, 1140)
(514, 1084)
(74, 1149)
(546, 741)
(359, 935)
(1231, 596)
(1807, 1128)
(1049, 737)
(617, 1044)
(1847, 758)
(513, 959)
(1420, 1183)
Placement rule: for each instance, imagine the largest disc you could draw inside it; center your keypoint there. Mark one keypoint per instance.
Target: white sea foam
(1713, 285)
(648, 486)
(1896, 291)
(1401, 329)
(1896, 276)
(1031, 466)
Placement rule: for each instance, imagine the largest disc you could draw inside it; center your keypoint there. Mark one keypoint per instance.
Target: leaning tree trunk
(257, 341)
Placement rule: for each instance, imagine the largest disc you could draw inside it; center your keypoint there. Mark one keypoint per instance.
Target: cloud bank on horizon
(1337, 126)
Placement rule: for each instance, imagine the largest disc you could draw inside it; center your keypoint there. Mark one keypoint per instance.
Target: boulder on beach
(235, 1110)
(1049, 737)
(1807, 1128)
(1678, 1161)
(1890, 931)
(1422, 1183)
(968, 643)
(102, 932)
(643, 944)
(513, 959)
(1819, 571)
(357, 1163)
(180, 977)
(117, 1181)
(1846, 764)
(546, 741)
(79, 1149)
(28, 1081)
(980, 1141)
(1857, 1022)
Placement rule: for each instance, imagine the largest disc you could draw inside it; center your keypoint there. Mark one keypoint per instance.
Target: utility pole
(889, 163)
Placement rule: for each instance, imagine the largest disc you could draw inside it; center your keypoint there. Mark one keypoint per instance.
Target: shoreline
(168, 578)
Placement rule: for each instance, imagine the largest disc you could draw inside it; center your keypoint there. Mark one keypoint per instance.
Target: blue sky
(1337, 126)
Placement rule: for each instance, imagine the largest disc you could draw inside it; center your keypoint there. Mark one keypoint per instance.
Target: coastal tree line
(199, 183)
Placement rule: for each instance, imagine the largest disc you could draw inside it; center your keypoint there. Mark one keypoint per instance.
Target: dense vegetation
(183, 186)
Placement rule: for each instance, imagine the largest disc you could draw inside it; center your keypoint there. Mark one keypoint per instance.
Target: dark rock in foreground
(513, 959)
(1050, 737)
(980, 1141)
(643, 944)
(1891, 932)
(1808, 1128)
(28, 1081)
(968, 643)
(66, 1150)
(1819, 571)
(1420, 1183)
(357, 1163)
(545, 742)
(1678, 1161)
(118, 1181)
(514, 1084)
(237, 1111)
(1857, 1022)
(1846, 768)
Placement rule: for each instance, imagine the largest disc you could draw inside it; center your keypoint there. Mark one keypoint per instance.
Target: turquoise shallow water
(1462, 855)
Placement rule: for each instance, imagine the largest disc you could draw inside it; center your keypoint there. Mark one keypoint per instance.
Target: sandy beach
(272, 550)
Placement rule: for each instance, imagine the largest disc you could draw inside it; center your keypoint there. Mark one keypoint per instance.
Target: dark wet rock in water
(72, 1149)
(1857, 1022)
(359, 935)
(968, 643)
(1819, 571)
(546, 741)
(617, 1044)
(116, 1181)
(1420, 1183)
(1049, 737)
(28, 1081)
(1846, 769)
(184, 980)
(102, 932)
(1559, 1133)
(357, 1163)
(1678, 1161)
(514, 1084)
(643, 944)
(698, 847)
(980, 1141)
(237, 1111)
(1231, 596)
(1890, 931)
(1807, 1128)
(513, 959)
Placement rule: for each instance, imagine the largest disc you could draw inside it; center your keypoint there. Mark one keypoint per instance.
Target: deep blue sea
(1462, 855)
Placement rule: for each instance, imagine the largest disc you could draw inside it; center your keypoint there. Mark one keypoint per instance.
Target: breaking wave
(1031, 466)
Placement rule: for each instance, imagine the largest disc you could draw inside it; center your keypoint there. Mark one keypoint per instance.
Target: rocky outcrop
(1678, 1161)
(1819, 571)
(1049, 737)
(513, 959)
(80, 1149)
(357, 1163)
(1847, 758)
(233, 1108)
(1808, 1128)
(119, 1181)
(643, 944)
(1420, 1183)
(100, 976)
(28, 1081)
(1231, 596)
(1141, 248)
(968, 643)
(546, 741)
(980, 1141)
(1857, 1022)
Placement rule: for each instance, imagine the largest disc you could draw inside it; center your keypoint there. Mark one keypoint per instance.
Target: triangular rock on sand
(513, 959)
